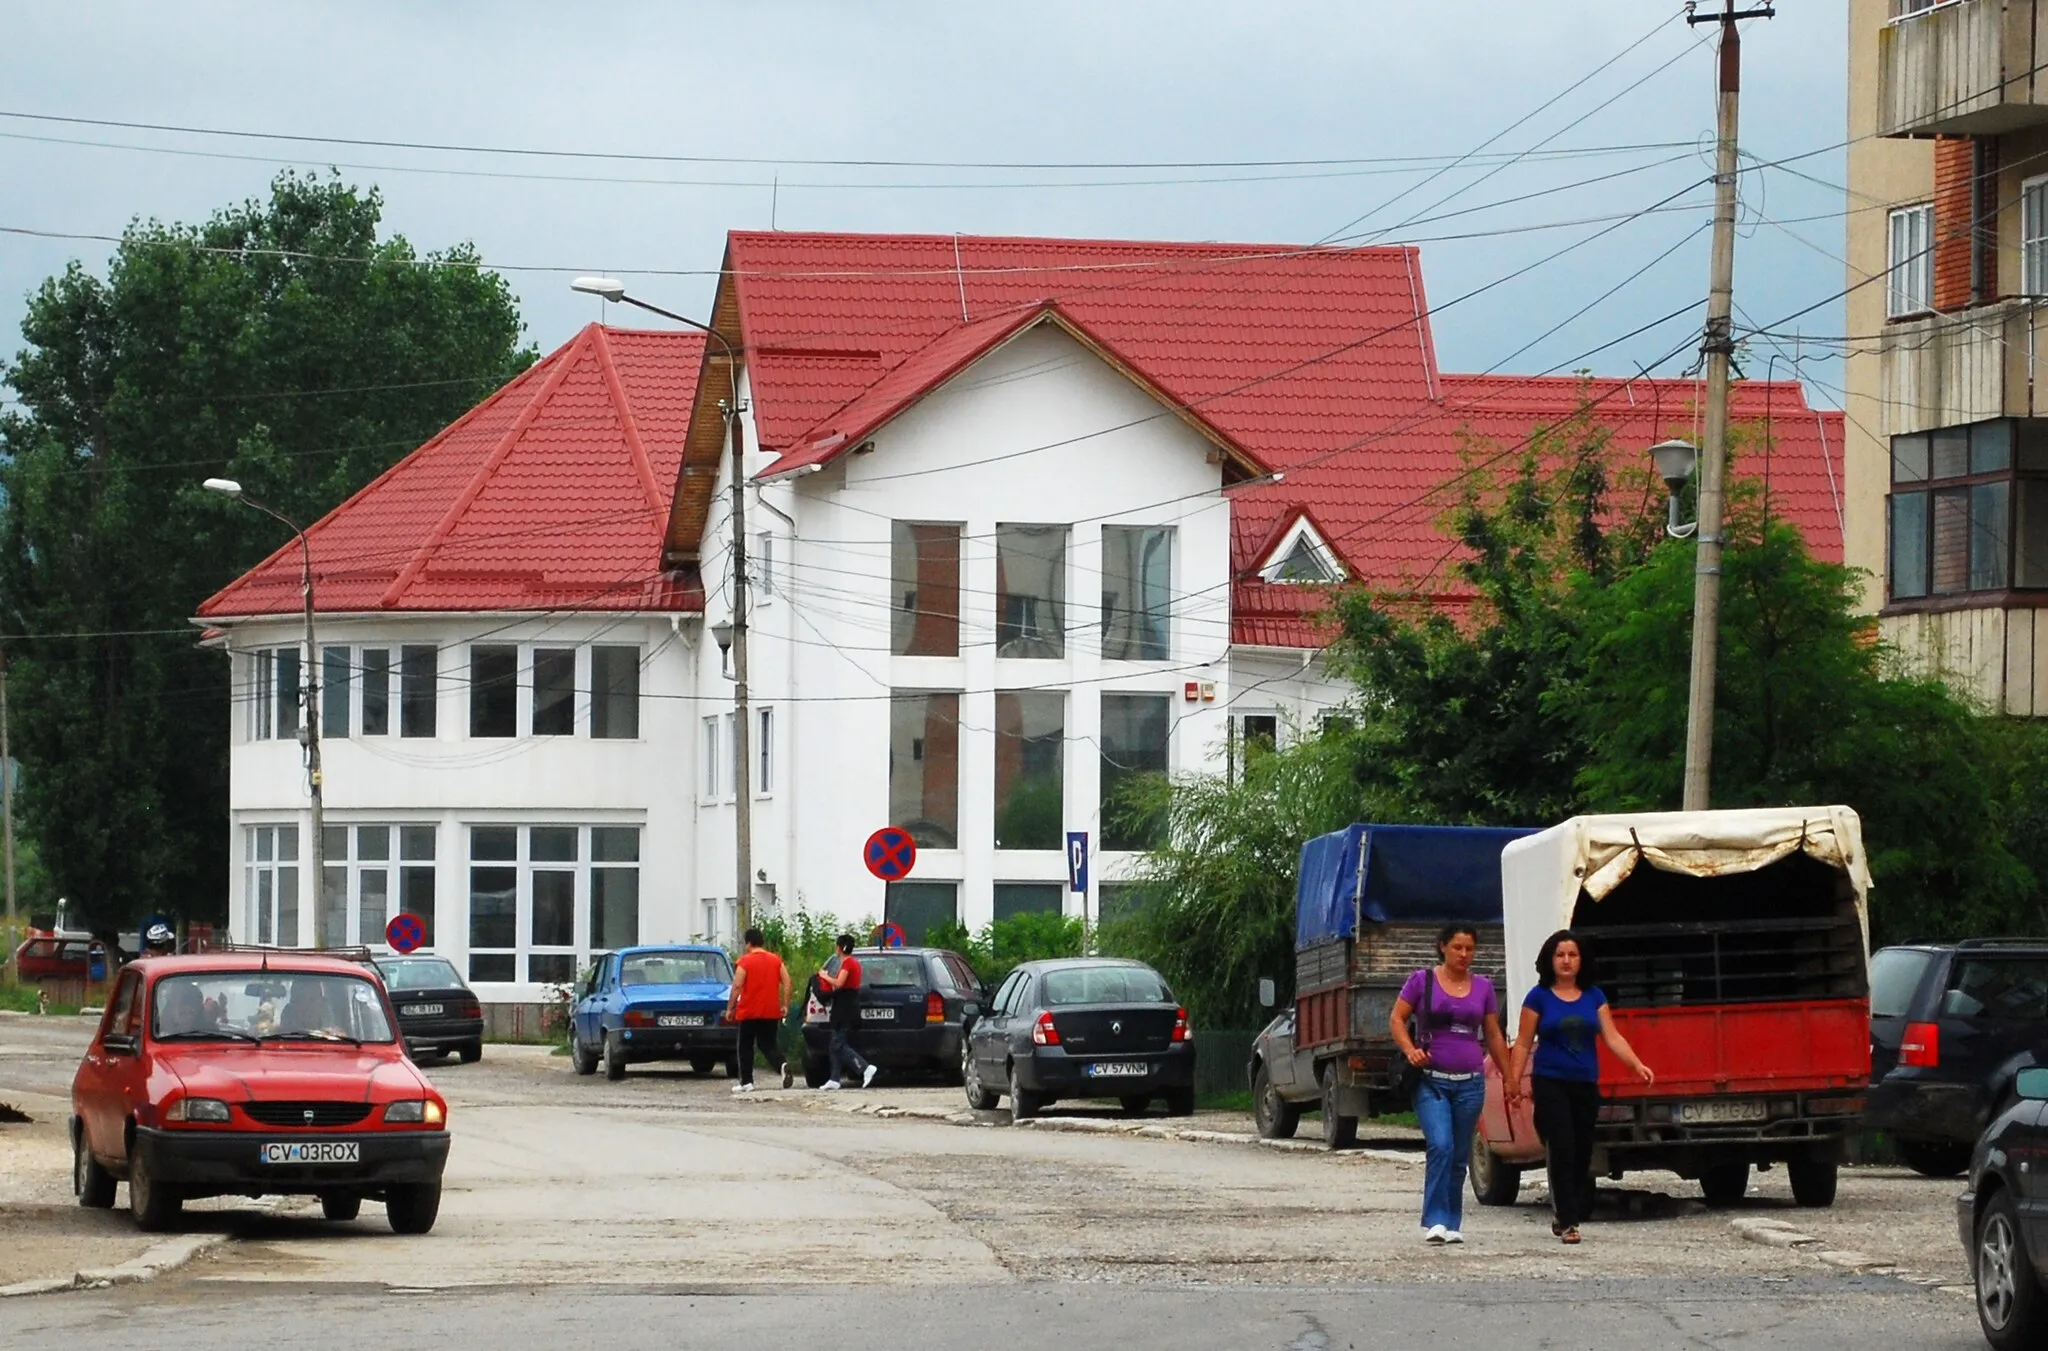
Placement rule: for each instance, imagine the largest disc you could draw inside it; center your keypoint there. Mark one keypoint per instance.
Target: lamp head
(1674, 460)
(608, 288)
(721, 633)
(225, 486)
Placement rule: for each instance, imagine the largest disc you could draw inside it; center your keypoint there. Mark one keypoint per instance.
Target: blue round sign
(890, 853)
(889, 935)
(405, 933)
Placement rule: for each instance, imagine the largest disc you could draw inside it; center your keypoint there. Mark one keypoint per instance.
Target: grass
(24, 999)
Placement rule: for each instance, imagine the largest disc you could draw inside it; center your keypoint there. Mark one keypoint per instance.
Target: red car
(252, 1074)
(48, 957)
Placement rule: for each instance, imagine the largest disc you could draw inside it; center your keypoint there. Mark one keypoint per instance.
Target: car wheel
(1339, 1132)
(614, 1058)
(1180, 1101)
(1024, 1105)
(1275, 1117)
(341, 1206)
(703, 1064)
(411, 1209)
(1134, 1105)
(1933, 1158)
(1494, 1183)
(978, 1095)
(90, 1183)
(471, 1051)
(1723, 1184)
(581, 1057)
(1813, 1181)
(155, 1205)
(2010, 1306)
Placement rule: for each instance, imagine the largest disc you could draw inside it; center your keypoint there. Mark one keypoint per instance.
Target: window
(416, 875)
(554, 691)
(764, 564)
(1028, 898)
(924, 767)
(1303, 563)
(1911, 262)
(551, 910)
(493, 690)
(2034, 237)
(614, 887)
(1119, 901)
(1031, 736)
(1895, 976)
(1137, 580)
(493, 903)
(764, 752)
(1135, 731)
(615, 692)
(1968, 509)
(376, 691)
(924, 590)
(418, 691)
(357, 899)
(262, 695)
(2000, 988)
(1031, 590)
(334, 691)
(708, 779)
(271, 897)
(544, 897)
(918, 907)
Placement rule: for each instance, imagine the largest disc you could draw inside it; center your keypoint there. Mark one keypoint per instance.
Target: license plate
(679, 1020)
(419, 1010)
(1714, 1113)
(1118, 1069)
(878, 1015)
(313, 1151)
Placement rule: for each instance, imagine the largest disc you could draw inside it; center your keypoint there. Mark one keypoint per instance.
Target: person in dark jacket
(847, 1063)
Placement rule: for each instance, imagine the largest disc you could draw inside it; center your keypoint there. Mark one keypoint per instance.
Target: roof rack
(355, 953)
(2007, 942)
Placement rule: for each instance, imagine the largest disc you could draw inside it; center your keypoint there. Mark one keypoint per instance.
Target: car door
(1015, 1034)
(111, 1077)
(585, 1014)
(990, 1029)
(1279, 1052)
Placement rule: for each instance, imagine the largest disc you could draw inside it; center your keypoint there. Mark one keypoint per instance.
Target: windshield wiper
(216, 1034)
(310, 1035)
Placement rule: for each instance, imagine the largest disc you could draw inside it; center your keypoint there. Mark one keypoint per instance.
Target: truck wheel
(92, 1184)
(411, 1209)
(1339, 1132)
(1494, 1183)
(1813, 1181)
(581, 1058)
(1723, 1184)
(1933, 1158)
(1275, 1117)
(155, 1205)
(2010, 1306)
(614, 1061)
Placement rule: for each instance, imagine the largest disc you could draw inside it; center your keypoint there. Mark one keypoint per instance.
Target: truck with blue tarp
(1369, 902)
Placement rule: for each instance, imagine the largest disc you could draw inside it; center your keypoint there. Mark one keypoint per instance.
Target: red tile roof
(551, 494)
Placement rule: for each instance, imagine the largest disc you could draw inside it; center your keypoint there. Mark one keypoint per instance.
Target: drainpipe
(790, 739)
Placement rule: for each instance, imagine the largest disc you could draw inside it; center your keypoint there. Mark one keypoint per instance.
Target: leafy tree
(281, 343)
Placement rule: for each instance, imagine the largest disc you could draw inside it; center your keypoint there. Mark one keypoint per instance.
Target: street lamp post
(614, 290)
(309, 725)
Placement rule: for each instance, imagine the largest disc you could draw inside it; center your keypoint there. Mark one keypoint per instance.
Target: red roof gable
(550, 494)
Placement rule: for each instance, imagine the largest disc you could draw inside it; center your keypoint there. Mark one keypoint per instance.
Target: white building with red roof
(1026, 516)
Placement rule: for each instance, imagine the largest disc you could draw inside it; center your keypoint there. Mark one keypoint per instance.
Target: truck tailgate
(1734, 1048)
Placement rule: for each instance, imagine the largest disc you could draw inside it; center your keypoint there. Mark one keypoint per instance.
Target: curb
(165, 1257)
(1778, 1234)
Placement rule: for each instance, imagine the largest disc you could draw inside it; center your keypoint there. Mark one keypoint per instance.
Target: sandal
(1556, 1230)
(1570, 1235)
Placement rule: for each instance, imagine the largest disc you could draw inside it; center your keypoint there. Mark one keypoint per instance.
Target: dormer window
(1302, 556)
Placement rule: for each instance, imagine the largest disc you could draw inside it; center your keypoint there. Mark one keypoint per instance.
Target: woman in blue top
(1565, 1020)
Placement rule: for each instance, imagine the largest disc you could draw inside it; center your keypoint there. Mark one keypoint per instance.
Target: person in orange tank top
(760, 993)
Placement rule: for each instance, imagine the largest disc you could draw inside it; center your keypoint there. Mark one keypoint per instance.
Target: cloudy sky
(1284, 122)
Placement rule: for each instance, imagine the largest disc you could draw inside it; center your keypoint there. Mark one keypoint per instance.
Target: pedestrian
(1564, 1018)
(1457, 1026)
(847, 1063)
(760, 994)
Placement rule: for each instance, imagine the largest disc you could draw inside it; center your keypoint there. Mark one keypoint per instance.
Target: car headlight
(197, 1109)
(416, 1112)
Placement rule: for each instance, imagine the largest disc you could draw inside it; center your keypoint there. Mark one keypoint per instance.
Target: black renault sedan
(1081, 1028)
(437, 1013)
(2000, 1219)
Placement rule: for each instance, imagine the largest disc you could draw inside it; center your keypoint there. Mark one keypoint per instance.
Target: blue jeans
(847, 1063)
(1448, 1113)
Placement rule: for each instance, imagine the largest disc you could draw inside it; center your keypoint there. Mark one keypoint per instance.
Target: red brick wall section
(1954, 211)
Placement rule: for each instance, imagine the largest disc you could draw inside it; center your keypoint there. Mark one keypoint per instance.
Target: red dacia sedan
(250, 1074)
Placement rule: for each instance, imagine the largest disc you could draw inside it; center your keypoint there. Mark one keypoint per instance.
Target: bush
(805, 942)
(1003, 946)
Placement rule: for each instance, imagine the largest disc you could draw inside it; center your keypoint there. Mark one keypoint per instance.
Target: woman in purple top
(1457, 1023)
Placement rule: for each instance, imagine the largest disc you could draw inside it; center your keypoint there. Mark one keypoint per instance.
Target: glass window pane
(615, 692)
(924, 768)
(614, 906)
(334, 692)
(2030, 568)
(1909, 458)
(373, 886)
(1031, 590)
(287, 844)
(707, 784)
(1119, 901)
(266, 842)
(1135, 729)
(1990, 549)
(494, 842)
(2030, 443)
(554, 909)
(334, 843)
(1030, 744)
(263, 695)
(552, 844)
(1027, 898)
(1137, 607)
(1909, 545)
(1991, 447)
(493, 907)
(416, 897)
(551, 968)
(416, 842)
(554, 691)
(484, 966)
(288, 692)
(373, 842)
(615, 844)
(1951, 555)
(1949, 452)
(376, 691)
(417, 693)
(334, 908)
(924, 590)
(288, 907)
(917, 906)
(494, 690)
(764, 751)
(266, 903)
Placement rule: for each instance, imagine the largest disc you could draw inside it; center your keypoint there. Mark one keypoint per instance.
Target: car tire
(90, 1183)
(703, 1064)
(581, 1058)
(614, 1058)
(2010, 1304)
(1134, 1105)
(341, 1206)
(471, 1051)
(1933, 1158)
(155, 1205)
(1724, 1184)
(978, 1095)
(1339, 1132)
(1180, 1101)
(1024, 1104)
(411, 1209)
(1495, 1182)
(1275, 1117)
(1813, 1181)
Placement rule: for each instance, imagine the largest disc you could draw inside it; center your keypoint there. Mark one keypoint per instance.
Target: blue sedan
(655, 1003)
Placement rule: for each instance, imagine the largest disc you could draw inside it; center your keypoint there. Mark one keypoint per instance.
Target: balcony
(1944, 370)
(1962, 68)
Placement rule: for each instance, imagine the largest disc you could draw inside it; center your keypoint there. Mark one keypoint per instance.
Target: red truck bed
(1743, 1048)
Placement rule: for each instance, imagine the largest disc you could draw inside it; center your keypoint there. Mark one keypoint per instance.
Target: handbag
(1418, 1025)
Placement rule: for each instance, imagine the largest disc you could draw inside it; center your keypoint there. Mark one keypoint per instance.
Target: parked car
(915, 1005)
(655, 1003)
(1081, 1027)
(1278, 1099)
(2004, 1233)
(251, 1074)
(49, 957)
(1952, 1025)
(437, 1012)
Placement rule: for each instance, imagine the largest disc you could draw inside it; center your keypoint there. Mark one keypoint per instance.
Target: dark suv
(915, 1006)
(2004, 1232)
(1951, 1027)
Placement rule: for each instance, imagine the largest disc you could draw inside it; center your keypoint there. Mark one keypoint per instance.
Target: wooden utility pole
(7, 818)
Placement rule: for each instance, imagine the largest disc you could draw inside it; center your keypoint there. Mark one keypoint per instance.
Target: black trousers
(762, 1033)
(1566, 1110)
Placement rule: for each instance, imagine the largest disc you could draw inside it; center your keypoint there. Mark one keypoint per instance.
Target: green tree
(281, 343)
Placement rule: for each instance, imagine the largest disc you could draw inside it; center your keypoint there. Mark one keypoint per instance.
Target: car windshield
(236, 1005)
(1105, 985)
(674, 968)
(892, 969)
(420, 973)
(1894, 976)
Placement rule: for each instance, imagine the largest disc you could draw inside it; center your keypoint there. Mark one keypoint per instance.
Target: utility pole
(742, 770)
(1718, 349)
(7, 816)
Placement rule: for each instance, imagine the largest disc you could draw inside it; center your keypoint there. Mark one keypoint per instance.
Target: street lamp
(1674, 460)
(612, 290)
(309, 726)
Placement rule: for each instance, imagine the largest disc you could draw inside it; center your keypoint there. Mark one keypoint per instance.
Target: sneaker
(743, 1088)
(1453, 1236)
(788, 1078)
(867, 1076)
(829, 1086)
(1435, 1234)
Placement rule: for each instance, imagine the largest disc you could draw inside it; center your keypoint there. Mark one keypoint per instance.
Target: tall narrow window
(764, 563)
(1031, 736)
(416, 874)
(373, 882)
(1137, 602)
(288, 692)
(764, 751)
(708, 779)
(2034, 237)
(332, 925)
(418, 692)
(924, 767)
(1135, 731)
(376, 691)
(1031, 590)
(1910, 261)
(614, 887)
(334, 691)
(615, 692)
(552, 915)
(262, 695)
(493, 902)
(924, 590)
(494, 690)
(554, 691)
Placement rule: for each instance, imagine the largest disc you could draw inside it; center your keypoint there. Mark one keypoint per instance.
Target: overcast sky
(1359, 87)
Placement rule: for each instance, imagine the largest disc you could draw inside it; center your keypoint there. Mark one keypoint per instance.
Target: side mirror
(1268, 995)
(122, 1043)
(2032, 1084)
